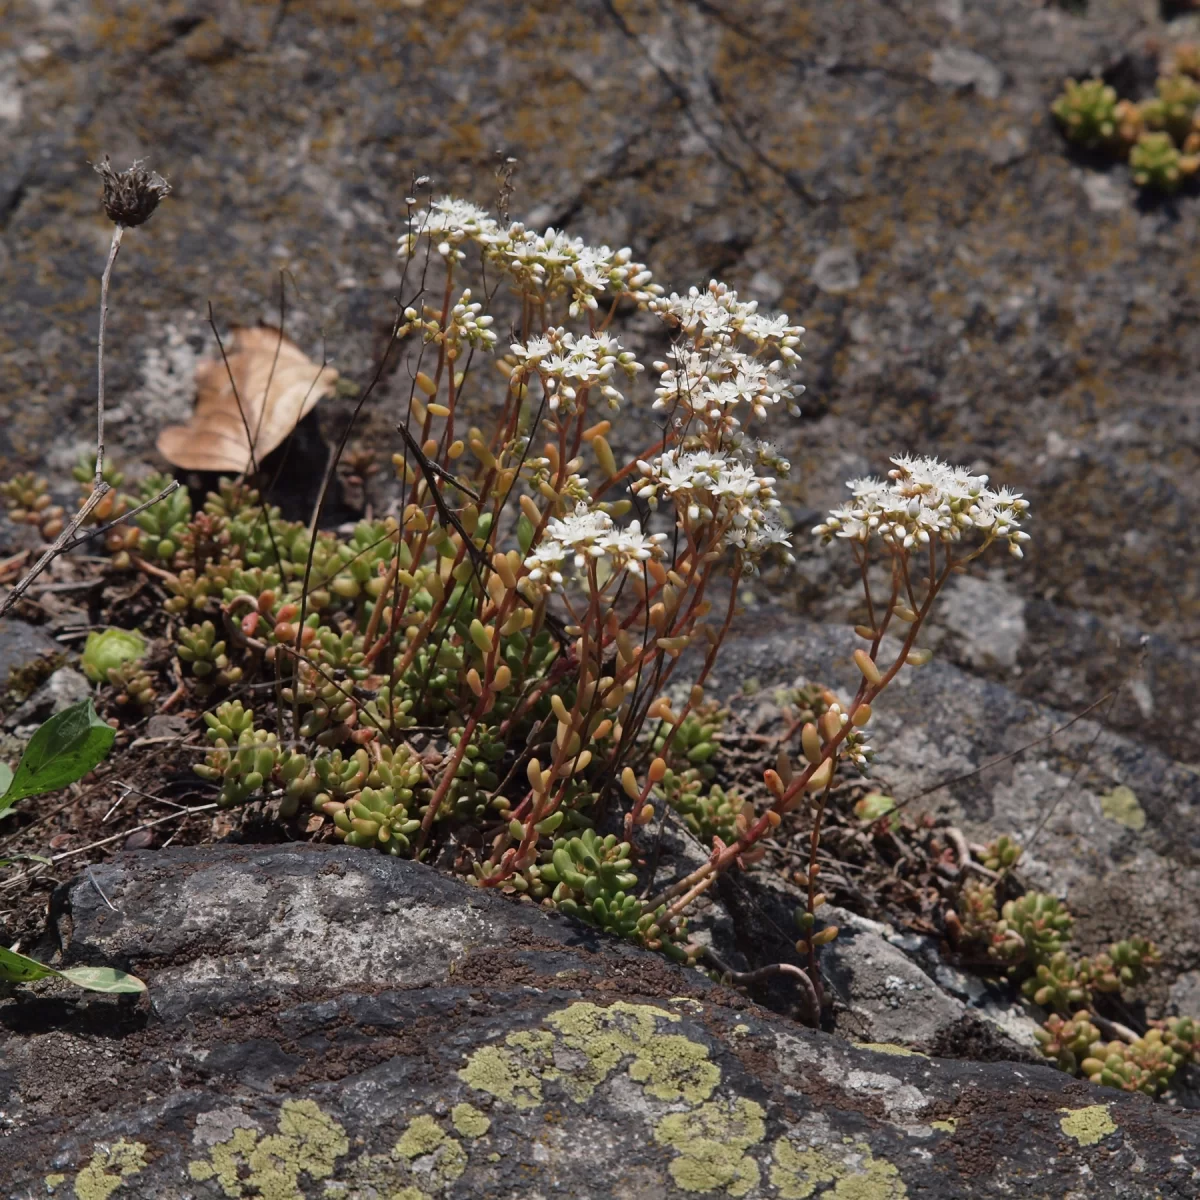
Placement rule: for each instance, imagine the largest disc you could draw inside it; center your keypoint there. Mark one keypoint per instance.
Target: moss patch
(1088, 1125)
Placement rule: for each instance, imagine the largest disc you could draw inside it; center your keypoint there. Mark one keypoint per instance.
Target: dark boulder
(327, 1023)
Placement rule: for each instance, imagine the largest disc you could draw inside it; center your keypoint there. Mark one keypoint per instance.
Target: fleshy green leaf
(16, 968)
(5, 778)
(103, 979)
(63, 750)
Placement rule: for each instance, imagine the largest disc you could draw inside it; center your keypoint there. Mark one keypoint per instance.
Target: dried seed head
(131, 196)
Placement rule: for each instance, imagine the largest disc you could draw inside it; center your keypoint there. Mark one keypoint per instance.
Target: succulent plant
(340, 778)
(376, 817)
(977, 911)
(163, 526)
(390, 711)
(1158, 165)
(1002, 854)
(192, 589)
(1145, 1065)
(1086, 111)
(1172, 109)
(1183, 59)
(475, 778)
(29, 503)
(1068, 1041)
(1131, 124)
(242, 759)
(105, 650)
(1062, 983)
(1125, 964)
(1031, 930)
(1182, 1034)
(708, 814)
(134, 686)
(199, 647)
(593, 879)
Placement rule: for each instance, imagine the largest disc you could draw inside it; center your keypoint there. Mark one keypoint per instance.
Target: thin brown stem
(113, 250)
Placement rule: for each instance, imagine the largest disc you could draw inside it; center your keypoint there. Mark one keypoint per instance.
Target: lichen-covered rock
(324, 1023)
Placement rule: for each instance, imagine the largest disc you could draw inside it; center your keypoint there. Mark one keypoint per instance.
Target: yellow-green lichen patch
(710, 1143)
(423, 1136)
(109, 1168)
(585, 1045)
(856, 1175)
(1121, 805)
(890, 1048)
(469, 1121)
(52, 1181)
(308, 1142)
(443, 1159)
(671, 1067)
(497, 1071)
(1088, 1125)
(949, 1125)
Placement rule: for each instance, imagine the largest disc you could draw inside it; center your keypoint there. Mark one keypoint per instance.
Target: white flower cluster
(546, 264)
(926, 499)
(568, 365)
(591, 534)
(467, 323)
(553, 263)
(721, 486)
(708, 375)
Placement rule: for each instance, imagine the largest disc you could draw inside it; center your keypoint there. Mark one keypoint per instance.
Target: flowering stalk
(924, 506)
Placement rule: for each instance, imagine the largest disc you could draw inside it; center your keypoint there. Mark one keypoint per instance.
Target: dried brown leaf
(277, 384)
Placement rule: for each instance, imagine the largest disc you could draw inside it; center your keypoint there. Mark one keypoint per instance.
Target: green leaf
(37, 858)
(63, 750)
(5, 778)
(16, 968)
(103, 979)
(873, 807)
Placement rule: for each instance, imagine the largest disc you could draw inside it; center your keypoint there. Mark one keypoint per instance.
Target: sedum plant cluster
(1029, 937)
(506, 672)
(1159, 136)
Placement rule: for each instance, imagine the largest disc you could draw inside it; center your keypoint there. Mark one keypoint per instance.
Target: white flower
(588, 535)
(925, 499)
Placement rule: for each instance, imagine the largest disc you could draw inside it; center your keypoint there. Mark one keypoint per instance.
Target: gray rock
(836, 270)
(20, 644)
(64, 688)
(954, 66)
(1127, 864)
(325, 1022)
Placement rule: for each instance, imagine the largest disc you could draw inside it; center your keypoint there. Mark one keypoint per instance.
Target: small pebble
(140, 839)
